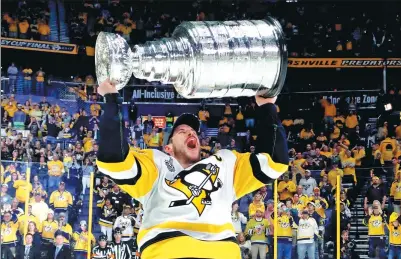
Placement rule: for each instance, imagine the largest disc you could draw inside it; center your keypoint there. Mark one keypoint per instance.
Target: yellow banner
(344, 62)
(45, 46)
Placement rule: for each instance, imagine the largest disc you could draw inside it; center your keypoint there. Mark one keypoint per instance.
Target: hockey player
(102, 250)
(125, 223)
(187, 201)
(120, 250)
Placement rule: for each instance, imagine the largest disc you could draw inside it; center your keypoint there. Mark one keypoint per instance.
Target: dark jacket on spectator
(375, 193)
(250, 112)
(34, 252)
(52, 129)
(118, 200)
(6, 253)
(65, 253)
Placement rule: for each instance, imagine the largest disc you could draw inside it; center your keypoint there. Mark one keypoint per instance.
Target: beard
(182, 155)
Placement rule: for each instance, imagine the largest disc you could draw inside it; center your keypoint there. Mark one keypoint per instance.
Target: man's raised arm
(254, 170)
(113, 145)
(271, 134)
(134, 172)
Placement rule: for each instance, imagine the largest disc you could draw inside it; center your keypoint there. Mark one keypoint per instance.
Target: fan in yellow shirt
(388, 148)
(298, 164)
(303, 198)
(320, 203)
(394, 234)
(11, 173)
(339, 121)
(351, 121)
(348, 164)
(240, 115)
(298, 203)
(55, 167)
(257, 204)
(343, 142)
(10, 108)
(395, 192)
(95, 109)
(285, 225)
(88, 142)
(81, 238)
(322, 139)
(326, 151)
(306, 133)
(286, 188)
(49, 227)
(64, 228)
(30, 218)
(359, 154)
(287, 122)
(335, 134)
(332, 175)
(23, 189)
(203, 115)
(9, 230)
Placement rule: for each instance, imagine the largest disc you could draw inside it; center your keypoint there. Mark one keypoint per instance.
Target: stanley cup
(202, 59)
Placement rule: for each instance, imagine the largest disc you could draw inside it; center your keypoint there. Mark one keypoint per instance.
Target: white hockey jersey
(138, 220)
(189, 206)
(126, 225)
(307, 229)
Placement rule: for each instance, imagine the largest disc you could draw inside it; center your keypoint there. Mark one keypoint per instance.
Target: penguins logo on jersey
(196, 184)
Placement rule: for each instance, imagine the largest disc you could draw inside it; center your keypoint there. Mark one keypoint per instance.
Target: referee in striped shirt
(120, 249)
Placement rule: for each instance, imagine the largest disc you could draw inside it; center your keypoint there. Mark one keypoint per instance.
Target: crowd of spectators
(62, 148)
(312, 30)
(30, 83)
(27, 20)
(23, 80)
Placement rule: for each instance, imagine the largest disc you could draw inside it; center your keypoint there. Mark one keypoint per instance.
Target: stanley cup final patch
(169, 164)
(196, 184)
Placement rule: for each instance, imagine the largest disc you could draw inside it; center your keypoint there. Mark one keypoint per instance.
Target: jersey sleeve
(69, 199)
(51, 200)
(134, 171)
(75, 236)
(135, 175)
(271, 136)
(252, 171)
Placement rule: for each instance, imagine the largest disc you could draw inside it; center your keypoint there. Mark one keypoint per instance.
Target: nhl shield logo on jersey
(196, 184)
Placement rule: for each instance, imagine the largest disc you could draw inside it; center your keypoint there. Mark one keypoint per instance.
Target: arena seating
(66, 115)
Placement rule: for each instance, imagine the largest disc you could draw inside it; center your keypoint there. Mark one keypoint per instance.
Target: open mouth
(191, 143)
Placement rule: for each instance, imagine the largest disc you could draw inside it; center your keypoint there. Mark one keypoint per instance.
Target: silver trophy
(202, 59)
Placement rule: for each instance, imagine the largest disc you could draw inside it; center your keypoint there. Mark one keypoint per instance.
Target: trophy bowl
(113, 59)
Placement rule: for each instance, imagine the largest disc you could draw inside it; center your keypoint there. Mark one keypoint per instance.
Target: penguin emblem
(196, 184)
